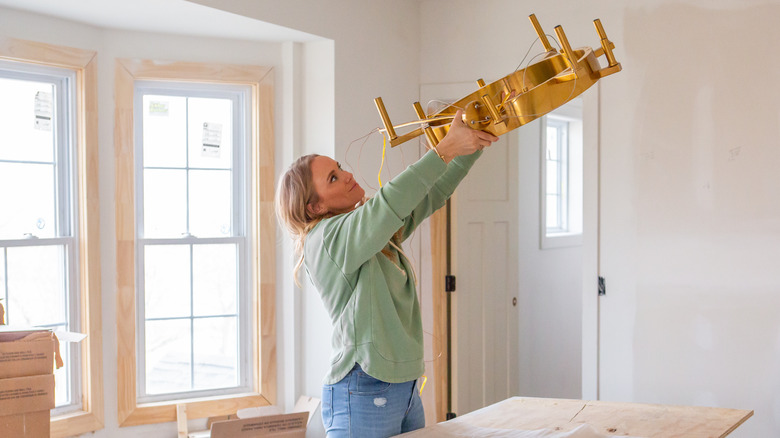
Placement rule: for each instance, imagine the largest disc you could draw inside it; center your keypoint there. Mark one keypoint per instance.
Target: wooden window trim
(263, 258)
(84, 64)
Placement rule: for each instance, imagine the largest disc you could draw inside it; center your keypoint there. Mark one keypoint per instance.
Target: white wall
(690, 218)
(691, 214)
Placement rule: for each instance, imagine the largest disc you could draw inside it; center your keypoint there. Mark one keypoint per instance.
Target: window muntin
(38, 241)
(193, 332)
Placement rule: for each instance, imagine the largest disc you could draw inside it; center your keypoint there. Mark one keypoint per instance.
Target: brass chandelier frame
(520, 97)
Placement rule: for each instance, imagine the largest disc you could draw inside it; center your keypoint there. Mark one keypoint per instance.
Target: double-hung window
(49, 249)
(193, 263)
(39, 247)
(195, 239)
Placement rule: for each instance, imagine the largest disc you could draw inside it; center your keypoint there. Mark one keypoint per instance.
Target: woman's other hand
(462, 140)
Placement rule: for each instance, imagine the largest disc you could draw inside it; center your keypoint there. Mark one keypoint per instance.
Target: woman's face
(337, 189)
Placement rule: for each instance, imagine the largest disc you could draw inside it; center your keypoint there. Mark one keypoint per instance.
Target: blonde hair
(293, 195)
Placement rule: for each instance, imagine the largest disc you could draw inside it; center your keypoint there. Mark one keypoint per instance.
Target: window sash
(243, 339)
(64, 130)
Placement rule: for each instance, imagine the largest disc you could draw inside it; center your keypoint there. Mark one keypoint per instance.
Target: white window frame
(66, 234)
(568, 120)
(241, 98)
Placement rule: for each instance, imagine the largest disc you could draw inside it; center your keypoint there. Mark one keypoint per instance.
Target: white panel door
(485, 261)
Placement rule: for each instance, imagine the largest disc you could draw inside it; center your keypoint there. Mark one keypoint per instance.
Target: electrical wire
(384, 148)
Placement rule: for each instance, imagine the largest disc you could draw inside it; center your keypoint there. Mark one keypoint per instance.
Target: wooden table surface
(610, 418)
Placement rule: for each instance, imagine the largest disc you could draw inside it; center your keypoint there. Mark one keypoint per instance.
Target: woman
(350, 249)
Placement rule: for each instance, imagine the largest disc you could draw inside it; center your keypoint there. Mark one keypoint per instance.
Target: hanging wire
(360, 153)
(381, 165)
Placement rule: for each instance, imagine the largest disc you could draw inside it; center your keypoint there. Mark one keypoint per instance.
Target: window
(193, 264)
(49, 261)
(195, 239)
(39, 258)
(561, 176)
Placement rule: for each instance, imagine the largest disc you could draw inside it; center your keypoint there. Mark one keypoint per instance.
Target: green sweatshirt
(371, 299)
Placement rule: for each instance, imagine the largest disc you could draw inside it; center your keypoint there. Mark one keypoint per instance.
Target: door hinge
(449, 283)
(602, 286)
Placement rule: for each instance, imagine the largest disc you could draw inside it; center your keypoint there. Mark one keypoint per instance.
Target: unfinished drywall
(693, 319)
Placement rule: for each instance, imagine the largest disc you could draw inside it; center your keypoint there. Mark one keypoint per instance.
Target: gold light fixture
(520, 97)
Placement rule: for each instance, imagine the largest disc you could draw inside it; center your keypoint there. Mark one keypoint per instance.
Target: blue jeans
(360, 406)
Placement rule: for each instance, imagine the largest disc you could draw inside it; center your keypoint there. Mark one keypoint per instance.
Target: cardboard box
(26, 382)
(287, 425)
(29, 424)
(26, 394)
(266, 422)
(26, 353)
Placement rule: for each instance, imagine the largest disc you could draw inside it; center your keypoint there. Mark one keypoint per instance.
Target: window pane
(552, 143)
(27, 194)
(215, 277)
(553, 178)
(210, 133)
(26, 120)
(165, 134)
(216, 353)
(553, 220)
(36, 285)
(167, 281)
(168, 356)
(210, 203)
(165, 203)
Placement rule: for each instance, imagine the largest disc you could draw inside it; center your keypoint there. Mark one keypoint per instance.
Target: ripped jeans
(360, 406)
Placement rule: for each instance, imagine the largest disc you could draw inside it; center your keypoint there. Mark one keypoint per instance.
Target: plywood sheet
(610, 418)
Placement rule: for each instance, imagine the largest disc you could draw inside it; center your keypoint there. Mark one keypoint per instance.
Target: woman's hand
(462, 140)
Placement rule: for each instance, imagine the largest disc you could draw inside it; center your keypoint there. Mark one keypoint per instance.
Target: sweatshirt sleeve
(349, 240)
(441, 191)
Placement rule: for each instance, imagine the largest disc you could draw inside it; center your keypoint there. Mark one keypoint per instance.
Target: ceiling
(178, 17)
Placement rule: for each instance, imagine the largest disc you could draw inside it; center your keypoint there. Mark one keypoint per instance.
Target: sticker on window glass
(43, 111)
(158, 108)
(212, 139)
